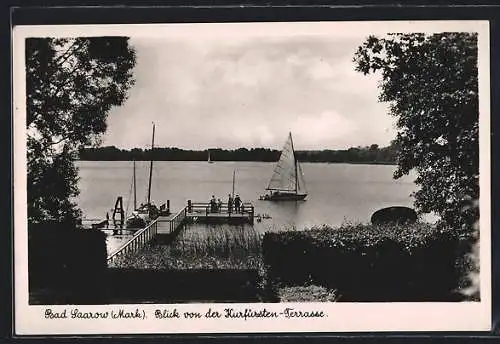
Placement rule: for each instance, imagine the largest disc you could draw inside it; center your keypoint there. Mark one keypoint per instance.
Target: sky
(250, 90)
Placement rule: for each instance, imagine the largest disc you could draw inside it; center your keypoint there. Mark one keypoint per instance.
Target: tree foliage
(431, 84)
(71, 84)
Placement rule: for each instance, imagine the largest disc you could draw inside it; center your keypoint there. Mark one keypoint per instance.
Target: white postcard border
(341, 317)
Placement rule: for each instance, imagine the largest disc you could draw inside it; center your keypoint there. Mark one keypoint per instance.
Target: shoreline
(232, 161)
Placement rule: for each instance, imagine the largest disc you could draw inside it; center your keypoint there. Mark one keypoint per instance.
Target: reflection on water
(115, 241)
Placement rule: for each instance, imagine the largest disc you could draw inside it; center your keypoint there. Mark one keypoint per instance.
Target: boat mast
(135, 189)
(151, 165)
(234, 172)
(294, 163)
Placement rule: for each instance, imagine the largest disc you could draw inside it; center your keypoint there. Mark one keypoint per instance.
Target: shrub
(68, 258)
(367, 262)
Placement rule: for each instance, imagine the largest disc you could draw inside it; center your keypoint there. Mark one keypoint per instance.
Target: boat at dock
(141, 216)
(287, 181)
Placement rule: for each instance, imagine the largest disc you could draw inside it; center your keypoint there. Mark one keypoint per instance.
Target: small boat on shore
(287, 181)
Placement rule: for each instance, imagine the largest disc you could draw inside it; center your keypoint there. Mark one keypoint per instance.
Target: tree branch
(61, 140)
(57, 64)
(67, 81)
(64, 54)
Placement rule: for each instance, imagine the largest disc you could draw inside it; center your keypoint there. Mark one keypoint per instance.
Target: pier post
(168, 206)
(119, 209)
(122, 218)
(190, 207)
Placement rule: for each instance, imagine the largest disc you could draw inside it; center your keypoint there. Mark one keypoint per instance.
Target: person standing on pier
(213, 205)
(229, 204)
(219, 205)
(237, 203)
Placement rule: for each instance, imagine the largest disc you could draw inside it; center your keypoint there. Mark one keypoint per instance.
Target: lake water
(337, 193)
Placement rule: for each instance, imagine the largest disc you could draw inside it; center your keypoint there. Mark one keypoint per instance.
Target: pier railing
(200, 207)
(141, 238)
(176, 220)
(246, 209)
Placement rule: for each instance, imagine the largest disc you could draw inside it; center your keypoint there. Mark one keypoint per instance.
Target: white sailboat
(287, 181)
(209, 160)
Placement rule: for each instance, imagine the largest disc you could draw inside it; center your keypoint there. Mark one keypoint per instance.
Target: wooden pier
(169, 224)
(203, 212)
(192, 212)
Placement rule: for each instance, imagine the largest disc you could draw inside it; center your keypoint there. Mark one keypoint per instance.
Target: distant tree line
(368, 154)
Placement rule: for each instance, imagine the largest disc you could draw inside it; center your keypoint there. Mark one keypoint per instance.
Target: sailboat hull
(136, 222)
(283, 196)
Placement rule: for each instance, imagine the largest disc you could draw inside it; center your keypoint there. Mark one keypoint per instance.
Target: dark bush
(397, 214)
(65, 258)
(366, 262)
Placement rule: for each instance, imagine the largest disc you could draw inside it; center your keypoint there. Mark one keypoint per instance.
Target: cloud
(327, 130)
(249, 93)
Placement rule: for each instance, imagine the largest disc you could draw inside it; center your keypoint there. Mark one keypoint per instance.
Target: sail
(301, 183)
(284, 176)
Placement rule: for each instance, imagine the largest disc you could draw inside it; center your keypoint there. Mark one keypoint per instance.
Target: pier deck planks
(164, 224)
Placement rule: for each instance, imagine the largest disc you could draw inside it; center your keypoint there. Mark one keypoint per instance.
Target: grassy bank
(224, 262)
(214, 248)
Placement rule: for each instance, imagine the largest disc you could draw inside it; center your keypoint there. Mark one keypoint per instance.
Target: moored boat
(147, 212)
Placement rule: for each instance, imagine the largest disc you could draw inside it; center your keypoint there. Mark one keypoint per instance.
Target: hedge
(65, 258)
(367, 262)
